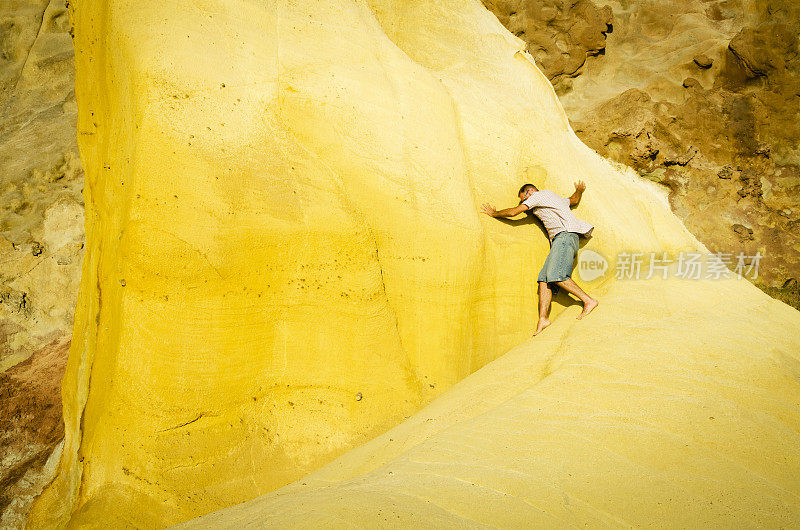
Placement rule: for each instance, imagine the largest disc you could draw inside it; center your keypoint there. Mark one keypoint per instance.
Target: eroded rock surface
(31, 426)
(41, 240)
(285, 257)
(560, 35)
(652, 94)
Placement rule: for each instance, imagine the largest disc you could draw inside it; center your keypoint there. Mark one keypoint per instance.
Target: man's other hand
(580, 185)
(488, 209)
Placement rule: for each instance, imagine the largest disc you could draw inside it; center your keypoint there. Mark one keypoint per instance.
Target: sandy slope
(633, 419)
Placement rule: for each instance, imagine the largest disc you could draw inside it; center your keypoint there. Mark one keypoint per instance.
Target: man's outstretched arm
(488, 209)
(575, 198)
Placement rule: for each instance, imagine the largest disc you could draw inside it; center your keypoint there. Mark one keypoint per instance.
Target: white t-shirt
(553, 210)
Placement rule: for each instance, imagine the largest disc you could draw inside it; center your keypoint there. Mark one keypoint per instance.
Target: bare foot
(543, 323)
(587, 308)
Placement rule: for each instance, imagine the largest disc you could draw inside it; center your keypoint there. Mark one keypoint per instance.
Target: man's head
(525, 191)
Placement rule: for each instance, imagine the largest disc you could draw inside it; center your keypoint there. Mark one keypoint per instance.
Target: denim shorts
(558, 264)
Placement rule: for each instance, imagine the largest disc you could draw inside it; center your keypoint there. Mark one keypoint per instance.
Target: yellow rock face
(671, 409)
(285, 258)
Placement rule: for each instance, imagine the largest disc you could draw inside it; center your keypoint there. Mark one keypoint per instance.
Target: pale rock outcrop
(41, 241)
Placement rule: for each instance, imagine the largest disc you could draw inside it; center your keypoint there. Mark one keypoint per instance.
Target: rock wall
(41, 241)
(643, 103)
(284, 252)
(665, 407)
(559, 35)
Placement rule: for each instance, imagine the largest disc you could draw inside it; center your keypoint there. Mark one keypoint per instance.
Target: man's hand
(488, 209)
(575, 198)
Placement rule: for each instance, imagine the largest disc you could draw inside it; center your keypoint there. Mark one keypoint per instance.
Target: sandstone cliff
(284, 257)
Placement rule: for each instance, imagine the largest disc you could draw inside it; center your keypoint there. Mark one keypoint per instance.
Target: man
(563, 230)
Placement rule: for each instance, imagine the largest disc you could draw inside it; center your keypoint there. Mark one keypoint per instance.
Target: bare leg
(545, 296)
(589, 303)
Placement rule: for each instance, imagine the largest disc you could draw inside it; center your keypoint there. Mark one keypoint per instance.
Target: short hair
(525, 187)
